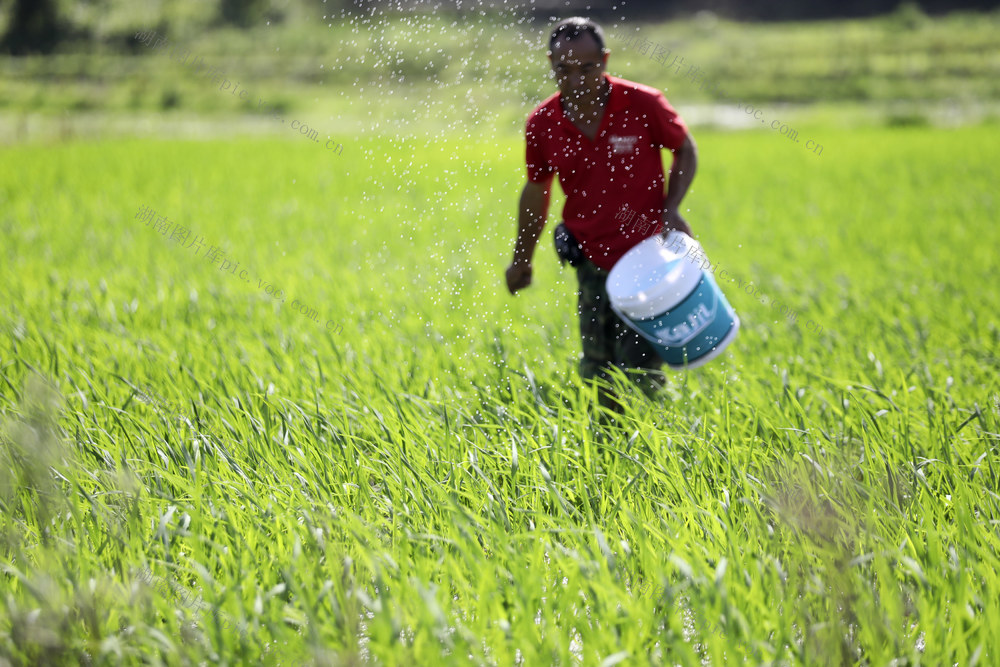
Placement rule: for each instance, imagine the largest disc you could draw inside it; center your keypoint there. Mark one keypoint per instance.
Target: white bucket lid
(651, 279)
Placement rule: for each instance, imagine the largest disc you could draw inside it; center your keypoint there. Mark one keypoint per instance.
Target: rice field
(193, 470)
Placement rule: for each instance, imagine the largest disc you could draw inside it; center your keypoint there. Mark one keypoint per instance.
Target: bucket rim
(667, 280)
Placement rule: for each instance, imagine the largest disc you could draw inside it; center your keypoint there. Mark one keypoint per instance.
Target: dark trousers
(607, 341)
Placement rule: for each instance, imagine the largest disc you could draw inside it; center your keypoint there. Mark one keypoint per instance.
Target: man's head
(578, 58)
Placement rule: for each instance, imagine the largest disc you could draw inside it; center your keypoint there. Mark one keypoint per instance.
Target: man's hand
(530, 220)
(518, 276)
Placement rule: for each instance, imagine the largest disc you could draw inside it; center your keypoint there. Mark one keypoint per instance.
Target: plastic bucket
(659, 289)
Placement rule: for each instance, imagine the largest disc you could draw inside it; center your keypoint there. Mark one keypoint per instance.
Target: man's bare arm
(531, 214)
(681, 175)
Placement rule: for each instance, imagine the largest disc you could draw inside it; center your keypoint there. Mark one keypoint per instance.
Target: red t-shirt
(612, 181)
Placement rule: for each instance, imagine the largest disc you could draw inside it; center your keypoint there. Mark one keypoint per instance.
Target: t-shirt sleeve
(539, 169)
(667, 128)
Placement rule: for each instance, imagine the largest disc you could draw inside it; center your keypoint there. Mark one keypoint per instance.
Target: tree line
(39, 26)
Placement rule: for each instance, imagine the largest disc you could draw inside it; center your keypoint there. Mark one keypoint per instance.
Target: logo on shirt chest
(620, 145)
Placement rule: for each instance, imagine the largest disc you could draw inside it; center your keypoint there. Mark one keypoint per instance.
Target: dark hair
(572, 28)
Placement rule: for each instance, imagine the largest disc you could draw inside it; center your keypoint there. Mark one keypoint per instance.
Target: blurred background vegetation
(73, 69)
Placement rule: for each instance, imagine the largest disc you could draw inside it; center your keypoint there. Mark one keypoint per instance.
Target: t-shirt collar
(617, 97)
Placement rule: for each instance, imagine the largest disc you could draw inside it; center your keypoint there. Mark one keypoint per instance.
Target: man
(603, 135)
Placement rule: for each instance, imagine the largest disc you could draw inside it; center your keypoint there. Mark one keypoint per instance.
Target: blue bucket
(670, 301)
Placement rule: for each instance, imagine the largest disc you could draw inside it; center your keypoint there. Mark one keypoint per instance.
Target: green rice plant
(433, 483)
